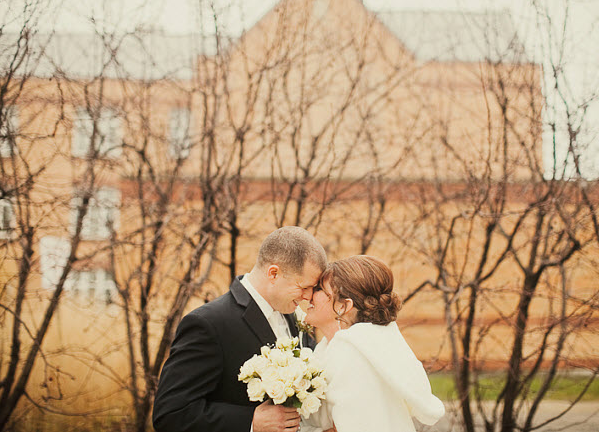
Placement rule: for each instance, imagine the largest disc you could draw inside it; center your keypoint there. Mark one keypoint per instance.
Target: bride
(375, 382)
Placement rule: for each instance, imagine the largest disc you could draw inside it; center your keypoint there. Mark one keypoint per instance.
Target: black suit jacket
(198, 388)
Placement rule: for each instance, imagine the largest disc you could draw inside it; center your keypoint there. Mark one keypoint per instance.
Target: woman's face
(320, 313)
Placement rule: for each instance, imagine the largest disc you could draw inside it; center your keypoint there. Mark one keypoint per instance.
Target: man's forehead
(309, 279)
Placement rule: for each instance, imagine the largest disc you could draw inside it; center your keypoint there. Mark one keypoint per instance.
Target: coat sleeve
(190, 375)
(350, 386)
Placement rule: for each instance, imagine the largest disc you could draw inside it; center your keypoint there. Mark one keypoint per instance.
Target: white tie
(280, 327)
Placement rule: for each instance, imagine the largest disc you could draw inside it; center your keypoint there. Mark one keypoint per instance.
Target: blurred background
(147, 147)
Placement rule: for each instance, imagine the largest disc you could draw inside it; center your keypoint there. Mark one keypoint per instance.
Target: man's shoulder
(216, 308)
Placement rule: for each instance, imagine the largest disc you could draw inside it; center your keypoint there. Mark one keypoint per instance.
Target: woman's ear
(348, 305)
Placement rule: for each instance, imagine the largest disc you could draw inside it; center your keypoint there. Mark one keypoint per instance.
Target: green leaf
(293, 401)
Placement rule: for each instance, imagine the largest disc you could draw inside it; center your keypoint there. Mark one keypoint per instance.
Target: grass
(565, 387)
(42, 421)
(562, 388)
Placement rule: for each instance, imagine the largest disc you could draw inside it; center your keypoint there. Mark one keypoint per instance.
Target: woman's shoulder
(363, 332)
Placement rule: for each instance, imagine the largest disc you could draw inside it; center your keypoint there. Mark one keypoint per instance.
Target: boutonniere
(301, 323)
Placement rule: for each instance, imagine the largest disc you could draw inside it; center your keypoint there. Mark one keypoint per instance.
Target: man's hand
(271, 417)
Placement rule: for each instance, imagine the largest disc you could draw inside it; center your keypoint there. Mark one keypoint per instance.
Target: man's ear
(272, 272)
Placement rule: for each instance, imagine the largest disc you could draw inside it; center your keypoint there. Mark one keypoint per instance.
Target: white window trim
(7, 232)
(109, 133)
(54, 253)
(104, 288)
(10, 126)
(180, 128)
(103, 207)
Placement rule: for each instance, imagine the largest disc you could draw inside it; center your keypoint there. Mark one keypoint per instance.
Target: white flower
(300, 314)
(302, 395)
(284, 372)
(301, 321)
(318, 382)
(256, 390)
(287, 343)
(311, 404)
(260, 364)
(320, 385)
(305, 353)
(302, 384)
(287, 374)
(314, 367)
(265, 350)
(269, 374)
(247, 370)
(294, 371)
(276, 390)
(279, 357)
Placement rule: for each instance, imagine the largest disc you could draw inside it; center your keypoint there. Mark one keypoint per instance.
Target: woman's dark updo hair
(369, 283)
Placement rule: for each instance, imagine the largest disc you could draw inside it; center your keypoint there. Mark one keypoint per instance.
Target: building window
(108, 138)
(180, 133)
(102, 216)
(93, 285)
(54, 253)
(7, 219)
(9, 124)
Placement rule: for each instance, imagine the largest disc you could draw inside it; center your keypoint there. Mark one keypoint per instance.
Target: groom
(198, 388)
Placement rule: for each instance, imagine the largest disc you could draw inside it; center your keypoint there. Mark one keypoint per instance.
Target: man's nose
(307, 294)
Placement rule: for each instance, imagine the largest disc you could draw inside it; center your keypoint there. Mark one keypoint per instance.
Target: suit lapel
(255, 319)
(253, 316)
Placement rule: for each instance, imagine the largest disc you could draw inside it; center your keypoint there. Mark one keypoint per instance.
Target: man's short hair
(290, 248)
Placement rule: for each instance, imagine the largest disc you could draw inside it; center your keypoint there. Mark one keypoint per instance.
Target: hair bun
(382, 310)
(371, 303)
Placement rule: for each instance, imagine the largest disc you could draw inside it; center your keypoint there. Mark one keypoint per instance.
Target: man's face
(288, 290)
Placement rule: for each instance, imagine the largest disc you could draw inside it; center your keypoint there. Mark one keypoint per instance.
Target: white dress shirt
(275, 318)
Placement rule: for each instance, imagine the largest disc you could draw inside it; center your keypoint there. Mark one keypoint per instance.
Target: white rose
(311, 404)
(256, 390)
(295, 370)
(301, 395)
(246, 371)
(284, 343)
(314, 367)
(277, 356)
(305, 353)
(302, 384)
(289, 390)
(286, 374)
(265, 350)
(300, 314)
(276, 390)
(260, 364)
(319, 383)
(270, 373)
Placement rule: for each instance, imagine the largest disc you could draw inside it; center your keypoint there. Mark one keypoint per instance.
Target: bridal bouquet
(287, 374)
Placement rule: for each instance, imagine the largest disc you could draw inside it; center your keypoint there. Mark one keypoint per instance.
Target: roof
(448, 36)
(151, 55)
(430, 35)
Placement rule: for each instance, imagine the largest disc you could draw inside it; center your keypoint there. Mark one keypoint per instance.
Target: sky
(182, 16)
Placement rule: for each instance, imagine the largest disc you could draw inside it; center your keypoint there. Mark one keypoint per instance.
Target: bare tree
(499, 239)
(44, 227)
